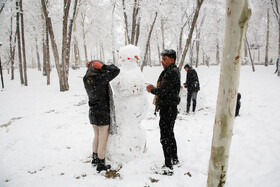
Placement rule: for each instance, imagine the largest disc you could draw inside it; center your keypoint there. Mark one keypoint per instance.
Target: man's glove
(150, 87)
(97, 65)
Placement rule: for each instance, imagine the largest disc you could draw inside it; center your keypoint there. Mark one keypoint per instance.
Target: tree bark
(134, 20)
(23, 44)
(126, 22)
(19, 45)
(189, 39)
(37, 51)
(12, 49)
(54, 46)
(84, 36)
(162, 22)
(237, 17)
(47, 60)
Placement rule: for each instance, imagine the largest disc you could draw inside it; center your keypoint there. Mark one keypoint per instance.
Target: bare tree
(276, 8)
(133, 36)
(63, 67)
(189, 39)
(237, 17)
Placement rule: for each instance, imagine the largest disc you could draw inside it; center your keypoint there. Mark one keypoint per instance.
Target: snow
(46, 137)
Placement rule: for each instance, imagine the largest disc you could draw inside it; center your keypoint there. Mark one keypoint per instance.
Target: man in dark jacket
(192, 84)
(96, 82)
(166, 100)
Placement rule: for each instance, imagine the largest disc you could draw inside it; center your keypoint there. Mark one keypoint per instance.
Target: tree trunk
(197, 45)
(137, 31)
(191, 53)
(180, 40)
(37, 51)
(54, 46)
(148, 42)
(134, 20)
(47, 60)
(276, 10)
(1, 73)
(84, 36)
(189, 39)
(162, 22)
(19, 45)
(250, 55)
(237, 17)
(68, 42)
(12, 49)
(23, 44)
(267, 40)
(217, 51)
(126, 22)
(279, 50)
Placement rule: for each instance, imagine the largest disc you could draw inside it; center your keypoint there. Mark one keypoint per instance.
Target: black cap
(187, 66)
(169, 52)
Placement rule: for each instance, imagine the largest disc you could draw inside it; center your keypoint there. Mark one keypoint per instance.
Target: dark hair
(170, 53)
(187, 66)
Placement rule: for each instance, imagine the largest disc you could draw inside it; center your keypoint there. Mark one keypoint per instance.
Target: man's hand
(97, 65)
(150, 87)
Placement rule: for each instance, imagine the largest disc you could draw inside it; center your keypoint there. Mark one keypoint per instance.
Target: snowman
(131, 105)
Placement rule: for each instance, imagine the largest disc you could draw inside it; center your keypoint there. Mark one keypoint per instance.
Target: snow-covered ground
(45, 135)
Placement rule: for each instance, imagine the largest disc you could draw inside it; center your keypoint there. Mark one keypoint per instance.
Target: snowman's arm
(166, 85)
(112, 72)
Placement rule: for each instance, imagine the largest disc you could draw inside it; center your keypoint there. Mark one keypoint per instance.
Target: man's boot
(94, 159)
(101, 165)
(167, 168)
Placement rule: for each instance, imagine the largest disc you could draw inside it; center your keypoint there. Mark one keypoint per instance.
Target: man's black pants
(191, 96)
(167, 138)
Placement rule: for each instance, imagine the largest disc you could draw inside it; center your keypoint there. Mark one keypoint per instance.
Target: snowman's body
(131, 106)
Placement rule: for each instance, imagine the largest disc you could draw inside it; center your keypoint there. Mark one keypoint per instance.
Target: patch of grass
(154, 180)
(112, 174)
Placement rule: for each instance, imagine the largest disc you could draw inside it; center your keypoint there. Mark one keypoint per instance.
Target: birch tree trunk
(237, 17)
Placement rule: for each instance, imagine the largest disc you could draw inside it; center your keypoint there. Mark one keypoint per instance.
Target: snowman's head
(129, 56)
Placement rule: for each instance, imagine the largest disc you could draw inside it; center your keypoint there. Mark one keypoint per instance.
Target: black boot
(94, 159)
(167, 169)
(101, 165)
